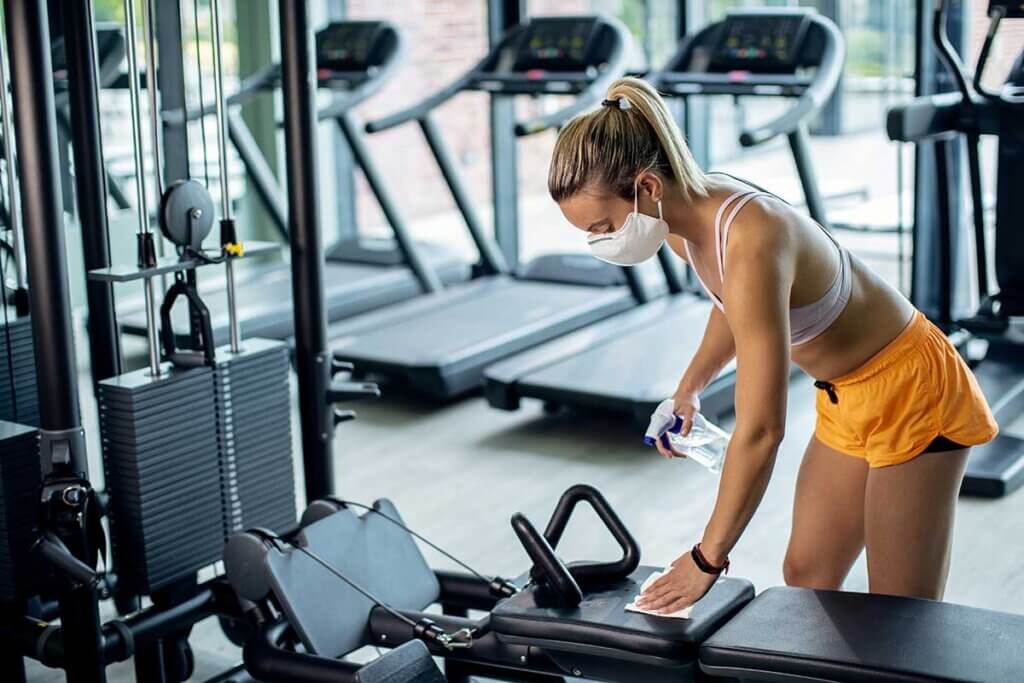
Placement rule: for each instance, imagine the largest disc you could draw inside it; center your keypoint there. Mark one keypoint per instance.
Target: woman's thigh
(909, 514)
(828, 518)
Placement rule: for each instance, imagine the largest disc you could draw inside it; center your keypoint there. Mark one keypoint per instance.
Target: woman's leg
(828, 518)
(909, 514)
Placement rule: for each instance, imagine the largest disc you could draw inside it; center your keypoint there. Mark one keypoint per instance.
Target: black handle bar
(614, 68)
(591, 572)
(548, 571)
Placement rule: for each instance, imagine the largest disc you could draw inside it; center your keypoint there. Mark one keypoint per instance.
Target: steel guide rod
(148, 12)
(142, 207)
(222, 152)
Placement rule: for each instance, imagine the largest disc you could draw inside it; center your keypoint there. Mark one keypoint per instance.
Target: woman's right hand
(685, 404)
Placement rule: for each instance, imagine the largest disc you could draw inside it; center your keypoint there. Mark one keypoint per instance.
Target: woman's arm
(760, 268)
(757, 300)
(716, 349)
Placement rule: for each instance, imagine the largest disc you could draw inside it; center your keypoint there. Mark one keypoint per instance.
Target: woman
(897, 410)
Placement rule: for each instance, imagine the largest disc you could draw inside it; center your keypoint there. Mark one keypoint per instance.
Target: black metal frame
(932, 280)
(312, 358)
(62, 440)
(501, 16)
(105, 357)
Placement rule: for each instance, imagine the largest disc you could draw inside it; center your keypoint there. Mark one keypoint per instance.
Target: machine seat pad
(602, 622)
(798, 634)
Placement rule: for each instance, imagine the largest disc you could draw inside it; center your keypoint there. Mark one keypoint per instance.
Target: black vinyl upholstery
(408, 663)
(796, 634)
(601, 623)
(329, 616)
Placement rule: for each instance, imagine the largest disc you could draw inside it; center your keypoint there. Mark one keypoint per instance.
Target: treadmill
(354, 60)
(622, 364)
(994, 469)
(439, 345)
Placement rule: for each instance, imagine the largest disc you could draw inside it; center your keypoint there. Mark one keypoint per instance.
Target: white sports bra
(806, 322)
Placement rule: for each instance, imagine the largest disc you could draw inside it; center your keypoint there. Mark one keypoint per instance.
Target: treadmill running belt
(441, 343)
(264, 301)
(628, 363)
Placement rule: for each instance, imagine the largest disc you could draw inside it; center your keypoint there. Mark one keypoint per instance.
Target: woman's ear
(651, 184)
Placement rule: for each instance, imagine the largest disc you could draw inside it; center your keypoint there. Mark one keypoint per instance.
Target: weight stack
(20, 481)
(162, 465)
(254, 431)
(19, 398)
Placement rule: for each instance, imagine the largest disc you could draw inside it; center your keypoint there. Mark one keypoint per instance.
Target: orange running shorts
(913, 391)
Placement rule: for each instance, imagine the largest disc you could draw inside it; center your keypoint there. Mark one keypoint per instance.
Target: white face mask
(637, 240)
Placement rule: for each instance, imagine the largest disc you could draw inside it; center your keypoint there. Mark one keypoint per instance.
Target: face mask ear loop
(636, 196)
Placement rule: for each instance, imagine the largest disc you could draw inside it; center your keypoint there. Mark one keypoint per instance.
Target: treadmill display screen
(557, 44)
(760, 42)
(349, 46)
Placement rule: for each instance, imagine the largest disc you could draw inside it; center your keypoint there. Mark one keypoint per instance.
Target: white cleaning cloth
(683, 613)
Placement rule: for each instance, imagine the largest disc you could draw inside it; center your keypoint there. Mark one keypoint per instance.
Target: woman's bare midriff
(874, 316)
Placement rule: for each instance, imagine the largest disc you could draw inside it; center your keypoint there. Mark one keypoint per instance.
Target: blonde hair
(608, 148)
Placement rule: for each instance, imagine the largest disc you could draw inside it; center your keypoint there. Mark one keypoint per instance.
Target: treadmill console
(354, 46)
(760, 42)
(560, 44)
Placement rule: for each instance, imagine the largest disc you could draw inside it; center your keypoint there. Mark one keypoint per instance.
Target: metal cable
(394, 521)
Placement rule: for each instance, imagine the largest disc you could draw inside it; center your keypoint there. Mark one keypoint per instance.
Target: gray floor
(458, 472)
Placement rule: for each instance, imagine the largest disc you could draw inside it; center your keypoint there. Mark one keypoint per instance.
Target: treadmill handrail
(814, 98)
(268, 77)
(614, 69)
(419, 110)
(250, 87)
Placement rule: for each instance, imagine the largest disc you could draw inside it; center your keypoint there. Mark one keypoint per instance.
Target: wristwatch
(705, 566)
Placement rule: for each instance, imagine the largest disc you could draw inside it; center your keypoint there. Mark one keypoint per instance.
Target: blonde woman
(897, 409)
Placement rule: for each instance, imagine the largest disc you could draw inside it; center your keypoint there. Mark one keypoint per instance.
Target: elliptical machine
(996, 468)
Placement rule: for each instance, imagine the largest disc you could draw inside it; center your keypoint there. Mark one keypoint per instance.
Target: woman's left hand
(683, 585)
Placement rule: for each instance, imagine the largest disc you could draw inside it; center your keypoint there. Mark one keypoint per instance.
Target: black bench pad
(796, 634)
(601, 622)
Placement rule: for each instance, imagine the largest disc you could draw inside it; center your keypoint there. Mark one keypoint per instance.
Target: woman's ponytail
(631, 133)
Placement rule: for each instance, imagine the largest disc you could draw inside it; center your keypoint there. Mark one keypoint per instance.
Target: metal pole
(312, 357)
(142, 206)
(13, 208)
(424, 273)
(222, 152)
(105, 355)
(492, 258)
(35, 127)
(154, 95)
(805, 170)
(62, 442)
(148, 11)
(502, 16)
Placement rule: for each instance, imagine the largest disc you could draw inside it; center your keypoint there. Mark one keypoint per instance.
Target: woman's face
(596, 213)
